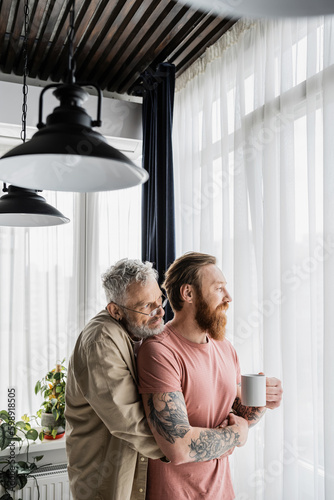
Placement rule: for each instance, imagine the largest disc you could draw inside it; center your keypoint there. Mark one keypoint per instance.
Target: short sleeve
(158, 368)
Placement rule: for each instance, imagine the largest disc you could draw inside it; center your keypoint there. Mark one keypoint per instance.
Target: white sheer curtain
(51, 283)
(254, 175)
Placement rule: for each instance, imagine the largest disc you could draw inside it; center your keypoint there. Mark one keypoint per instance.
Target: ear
(114, 311)
(187, 293)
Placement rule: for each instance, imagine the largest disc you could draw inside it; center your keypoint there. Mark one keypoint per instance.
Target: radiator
(53, 485)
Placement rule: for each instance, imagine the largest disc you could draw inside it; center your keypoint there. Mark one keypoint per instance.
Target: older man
(190, 380)
(107, 436)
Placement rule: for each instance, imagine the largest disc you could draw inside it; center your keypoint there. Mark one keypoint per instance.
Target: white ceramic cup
(253, 390)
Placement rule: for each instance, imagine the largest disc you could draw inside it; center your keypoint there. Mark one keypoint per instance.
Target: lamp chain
(25, 72)
(71, 62)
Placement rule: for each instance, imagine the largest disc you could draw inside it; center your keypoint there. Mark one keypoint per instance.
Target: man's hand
(240, 426)
(274, 392)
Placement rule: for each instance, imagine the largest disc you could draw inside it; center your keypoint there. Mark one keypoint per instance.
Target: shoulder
(158, 347)
(103, 342)
(102, 328)
(164, 341)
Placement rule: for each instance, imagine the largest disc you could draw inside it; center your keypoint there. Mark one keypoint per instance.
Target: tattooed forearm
(251, 413)
(212, 443)
(182, 443)
(168, 414)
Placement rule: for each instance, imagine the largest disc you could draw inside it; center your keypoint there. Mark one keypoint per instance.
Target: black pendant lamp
(24, 207)
(66, 154)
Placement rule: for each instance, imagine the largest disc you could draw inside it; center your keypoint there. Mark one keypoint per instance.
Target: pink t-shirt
(207, 375)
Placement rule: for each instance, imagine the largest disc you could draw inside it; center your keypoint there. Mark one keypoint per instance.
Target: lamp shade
(25, 208)
(66, 154)
(264, 8)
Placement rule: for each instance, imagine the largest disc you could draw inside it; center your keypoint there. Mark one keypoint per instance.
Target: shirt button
(142, 459)
(141, 490)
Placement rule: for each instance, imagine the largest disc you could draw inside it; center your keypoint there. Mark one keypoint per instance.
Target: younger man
(189, 377)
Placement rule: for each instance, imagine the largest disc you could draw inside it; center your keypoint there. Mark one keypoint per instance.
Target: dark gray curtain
(158, 220)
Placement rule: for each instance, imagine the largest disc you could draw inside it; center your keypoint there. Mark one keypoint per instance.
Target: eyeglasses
(152, 313)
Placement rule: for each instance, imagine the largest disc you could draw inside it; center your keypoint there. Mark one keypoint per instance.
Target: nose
(160, 311)
(227, 296)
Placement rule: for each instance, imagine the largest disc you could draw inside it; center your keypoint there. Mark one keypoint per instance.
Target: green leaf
(21, 425)
(32, 434)
(54, 433)
(41, 436)
(21, 481)
(57, 375)
(59, 388)
(4, 415)
(5, 437)
(37, 459)
(23, 465)
(38, 386)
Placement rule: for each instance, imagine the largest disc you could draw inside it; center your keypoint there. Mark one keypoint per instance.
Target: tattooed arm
(168, 419)
(253, 414)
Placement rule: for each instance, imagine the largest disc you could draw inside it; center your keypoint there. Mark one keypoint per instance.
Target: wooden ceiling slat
(35, 15)
(84, 37)
(116, 58)
(58, 46)
(6, 7)
(104, 28)
(15, 40)
(84, 27)
(158, 31)
(43, 42)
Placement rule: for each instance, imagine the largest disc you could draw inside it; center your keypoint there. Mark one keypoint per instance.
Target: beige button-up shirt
(108, 439)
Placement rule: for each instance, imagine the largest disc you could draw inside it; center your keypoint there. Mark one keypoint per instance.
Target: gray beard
(142, 332)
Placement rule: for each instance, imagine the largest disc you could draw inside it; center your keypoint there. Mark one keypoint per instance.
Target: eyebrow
(143, 302)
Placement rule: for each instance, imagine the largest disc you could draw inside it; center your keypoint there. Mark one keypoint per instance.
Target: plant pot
(48, 423)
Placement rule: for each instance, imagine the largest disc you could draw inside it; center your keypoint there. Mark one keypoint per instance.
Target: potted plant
(14, 474)
(52, 387)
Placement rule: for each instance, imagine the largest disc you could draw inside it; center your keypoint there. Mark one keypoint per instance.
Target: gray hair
(118, 277)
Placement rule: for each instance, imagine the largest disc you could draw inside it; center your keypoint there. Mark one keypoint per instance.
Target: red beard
(213, 322)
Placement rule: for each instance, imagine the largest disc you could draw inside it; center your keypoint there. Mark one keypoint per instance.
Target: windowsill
(38, 445)
(53, 451)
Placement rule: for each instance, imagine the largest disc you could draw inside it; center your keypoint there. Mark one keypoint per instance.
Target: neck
(188, 328)
(135, 339)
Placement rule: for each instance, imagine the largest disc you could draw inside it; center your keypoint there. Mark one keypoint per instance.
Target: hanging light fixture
(24, 207)
(66, 154)
(264, 8)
